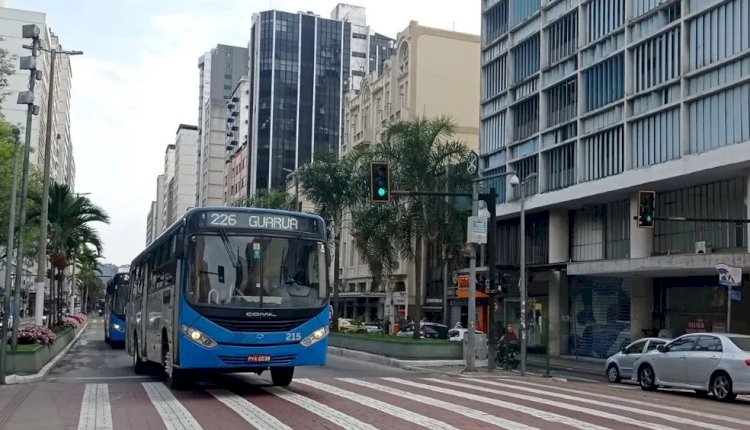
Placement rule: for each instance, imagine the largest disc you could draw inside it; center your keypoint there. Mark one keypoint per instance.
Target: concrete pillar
(641, 306)
(557, 305)
(747, 208)
(641, 239)
(559, 330)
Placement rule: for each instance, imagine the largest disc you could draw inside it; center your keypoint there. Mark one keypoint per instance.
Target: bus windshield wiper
(228, 246)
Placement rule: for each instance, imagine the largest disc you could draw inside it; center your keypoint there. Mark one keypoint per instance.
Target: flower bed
(74, 320)
(38, 345)
(31, 334)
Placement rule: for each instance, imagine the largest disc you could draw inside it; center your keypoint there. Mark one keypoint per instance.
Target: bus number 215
(293, 337)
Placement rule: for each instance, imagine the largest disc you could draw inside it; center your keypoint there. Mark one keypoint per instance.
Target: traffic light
(647, 201)
(380, 182)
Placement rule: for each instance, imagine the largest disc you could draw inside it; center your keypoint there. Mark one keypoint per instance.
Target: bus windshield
(257, 272)
(119, 300)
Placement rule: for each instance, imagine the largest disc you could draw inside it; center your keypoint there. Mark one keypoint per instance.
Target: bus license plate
(259, 358)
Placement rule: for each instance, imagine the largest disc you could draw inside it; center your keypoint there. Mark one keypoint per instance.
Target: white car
(620, 365)
(717, 363)
(458, 334)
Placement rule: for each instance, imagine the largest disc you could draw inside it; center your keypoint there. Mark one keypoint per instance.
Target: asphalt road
(94, 387)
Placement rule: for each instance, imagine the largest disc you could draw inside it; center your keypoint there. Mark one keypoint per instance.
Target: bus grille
(242, 360)
(254, 326)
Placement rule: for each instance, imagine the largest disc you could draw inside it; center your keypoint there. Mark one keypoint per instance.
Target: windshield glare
(257, 272)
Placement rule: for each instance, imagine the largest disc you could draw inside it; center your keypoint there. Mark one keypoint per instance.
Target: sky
(138, 80)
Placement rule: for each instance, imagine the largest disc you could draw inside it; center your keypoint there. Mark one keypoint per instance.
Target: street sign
(477, 230)
(472, 163)
(729, 276)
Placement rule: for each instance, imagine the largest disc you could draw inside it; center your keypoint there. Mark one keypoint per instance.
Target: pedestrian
(387, 327)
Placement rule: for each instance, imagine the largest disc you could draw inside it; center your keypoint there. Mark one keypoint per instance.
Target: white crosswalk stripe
(254, 415)
(467, 412)
(667, 417)
(174, 415)
(547, 416)
(321, 410)
(379, 405)
(369, 403)
(575, 408)
(646, 405)
(96, 412)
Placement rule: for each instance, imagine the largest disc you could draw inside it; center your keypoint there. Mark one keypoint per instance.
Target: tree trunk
(336, 277)
(418, 279)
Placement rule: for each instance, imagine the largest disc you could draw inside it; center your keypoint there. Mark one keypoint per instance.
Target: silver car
(620, 365)
(718, 363)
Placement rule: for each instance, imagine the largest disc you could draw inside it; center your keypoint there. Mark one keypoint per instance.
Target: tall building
(62, 164)
(219, 69)
(590, 102)
(419, 79)
(167, 196)
(237, 144)
(182, 186)
(151, 229)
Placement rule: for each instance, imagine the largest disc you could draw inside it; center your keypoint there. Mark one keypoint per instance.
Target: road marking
(173, 414)
(96, 413)
(647, 405)
(379, 405)
(254, 415)
(547, 416)
(319, 409)
(594, 412)
(94, 378)
(613, 405)
(467, 412)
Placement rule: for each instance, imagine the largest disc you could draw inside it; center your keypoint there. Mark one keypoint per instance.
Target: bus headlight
(315, 336)
(117, 327)
(198, 337)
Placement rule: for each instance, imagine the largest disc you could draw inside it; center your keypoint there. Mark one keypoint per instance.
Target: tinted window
(708, 343)
(742, 343)
(636, 348)
(653, 345)
(683, 344)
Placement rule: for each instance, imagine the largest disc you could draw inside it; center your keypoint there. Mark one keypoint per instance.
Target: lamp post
(514, 182)
(42, 256)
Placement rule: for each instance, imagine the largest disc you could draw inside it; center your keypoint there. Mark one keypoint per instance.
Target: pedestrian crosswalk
(388, 403)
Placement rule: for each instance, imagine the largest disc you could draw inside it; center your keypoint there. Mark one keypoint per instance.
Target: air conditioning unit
(703, 247)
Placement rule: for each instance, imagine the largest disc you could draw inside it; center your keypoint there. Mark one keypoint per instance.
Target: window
(708, 343)
(603, 154)
(523, 9)
(742, 343)
(657, 60)
(526, 58)
(526, 118)
(495, 21)
(562, 102)
(683, 344)
(654, 344)
(718, 34)
(563, 37)
(561, 167)
(604, 17)
(356, 54)
(656, 138)
(605, 82)
(359, 36)
(636, 348)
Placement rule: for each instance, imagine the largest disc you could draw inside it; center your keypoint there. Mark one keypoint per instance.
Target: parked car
(620, 365)
(427, 330)
(348, 326)
(458, 334)
(372, 327)
(717, 363)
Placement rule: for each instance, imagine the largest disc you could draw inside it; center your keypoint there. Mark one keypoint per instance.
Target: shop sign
(435, 301)
(729, 276)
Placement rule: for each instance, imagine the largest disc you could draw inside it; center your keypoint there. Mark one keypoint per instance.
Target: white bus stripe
(594, 412)
(251, 413)
(611, 405)
(173, 414)
(387, 408)
(649, 405)
(321, 410)
(538, 413)
(467, 412)
(96, 412)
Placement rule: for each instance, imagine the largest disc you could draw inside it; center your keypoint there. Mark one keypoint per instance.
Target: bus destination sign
(260, 221)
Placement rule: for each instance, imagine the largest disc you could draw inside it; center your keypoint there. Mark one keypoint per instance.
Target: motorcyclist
(508, 342)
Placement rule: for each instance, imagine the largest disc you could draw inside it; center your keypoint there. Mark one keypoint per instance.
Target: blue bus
(227, 290)
(115, 299)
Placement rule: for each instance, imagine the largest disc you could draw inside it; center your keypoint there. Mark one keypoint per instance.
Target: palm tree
(87, 262)
(421, 153)
(330, 184)
(69, 219)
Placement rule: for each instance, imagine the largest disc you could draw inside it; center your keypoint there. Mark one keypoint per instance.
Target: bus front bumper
(251, 357)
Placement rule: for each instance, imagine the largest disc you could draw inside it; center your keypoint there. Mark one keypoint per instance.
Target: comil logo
(260, 314)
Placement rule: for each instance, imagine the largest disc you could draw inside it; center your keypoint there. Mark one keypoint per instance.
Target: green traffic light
(381, 192)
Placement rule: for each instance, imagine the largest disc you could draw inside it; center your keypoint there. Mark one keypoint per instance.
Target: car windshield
(257, 272)
(742, 343)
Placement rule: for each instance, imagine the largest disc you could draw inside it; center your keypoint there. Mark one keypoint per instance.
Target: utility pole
(492, 277)
(9, 257)
(472, 314)
(30, 31)
(42, 256)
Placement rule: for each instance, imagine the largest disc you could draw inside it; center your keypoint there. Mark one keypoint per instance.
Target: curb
(28, 379)
(393, 362)
(541, 365)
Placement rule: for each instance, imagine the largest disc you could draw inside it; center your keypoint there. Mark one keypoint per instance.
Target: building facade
(419, 79)
(299, 68)
(593, 101)
(182, 186)
(219, 70)
(151, 223)
(237, 144)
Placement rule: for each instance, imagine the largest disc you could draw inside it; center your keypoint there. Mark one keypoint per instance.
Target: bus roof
(190, 215)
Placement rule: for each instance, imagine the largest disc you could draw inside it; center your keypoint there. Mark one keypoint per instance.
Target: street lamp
(42, 256)
(514, 182)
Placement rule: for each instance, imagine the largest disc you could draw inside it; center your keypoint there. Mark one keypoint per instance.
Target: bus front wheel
(138, 366)
(282, 376)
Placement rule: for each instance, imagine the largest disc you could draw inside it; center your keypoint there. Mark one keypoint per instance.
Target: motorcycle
(507, 359)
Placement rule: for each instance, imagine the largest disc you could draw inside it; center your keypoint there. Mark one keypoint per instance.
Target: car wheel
(721, 387)
(613, 375)
(646, 378)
